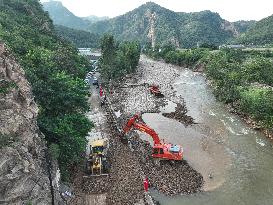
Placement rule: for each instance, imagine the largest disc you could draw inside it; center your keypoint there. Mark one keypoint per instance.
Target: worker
(146, 184)
(101, 91)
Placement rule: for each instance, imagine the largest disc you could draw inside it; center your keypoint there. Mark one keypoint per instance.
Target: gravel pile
(170, 178)
(95, 185)
(180, 114)
(126, 178)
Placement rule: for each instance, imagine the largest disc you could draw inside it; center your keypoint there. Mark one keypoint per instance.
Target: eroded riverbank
(132, 96)
(229, 155)
(221, 144)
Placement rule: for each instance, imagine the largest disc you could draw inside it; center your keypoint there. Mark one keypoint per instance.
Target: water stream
(238, 159)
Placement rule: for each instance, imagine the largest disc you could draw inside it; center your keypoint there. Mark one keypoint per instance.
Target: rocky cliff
(24, 175)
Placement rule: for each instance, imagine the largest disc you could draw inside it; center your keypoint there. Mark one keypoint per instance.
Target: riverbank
(132, 96)
(131, 163)
(234, 109)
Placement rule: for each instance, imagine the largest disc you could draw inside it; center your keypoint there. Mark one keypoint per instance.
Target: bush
(118, 59)
(258, 103)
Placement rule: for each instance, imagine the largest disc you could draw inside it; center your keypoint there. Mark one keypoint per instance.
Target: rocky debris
(130, 162)
(24, 176)
(180, 115)
(168, 178)
(95, 184)
(126, 176)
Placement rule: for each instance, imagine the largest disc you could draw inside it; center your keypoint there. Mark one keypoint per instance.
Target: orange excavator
(154, 89)
(160, 150)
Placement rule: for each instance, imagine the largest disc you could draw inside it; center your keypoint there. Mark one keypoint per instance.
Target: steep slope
(185, 29)
(260, 33)
(62, 16)
(56, 72)
(24, 176)
(82, 39)
(243, 26)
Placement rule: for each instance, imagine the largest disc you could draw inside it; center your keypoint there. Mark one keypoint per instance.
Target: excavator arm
(134, 122)
(160, 150)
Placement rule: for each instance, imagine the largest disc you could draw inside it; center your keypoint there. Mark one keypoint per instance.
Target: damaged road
(131, 163)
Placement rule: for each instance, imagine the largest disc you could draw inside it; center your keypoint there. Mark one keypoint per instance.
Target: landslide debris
(131, 163)
(168, 178)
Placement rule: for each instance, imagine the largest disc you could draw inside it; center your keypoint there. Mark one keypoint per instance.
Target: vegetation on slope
(81, 39)
(94, 19)
(55, 71)
(259, 34)
(62, 16)
(245, 81)
(243, 26)
(118, 59)
(185, 29)
(242, 79)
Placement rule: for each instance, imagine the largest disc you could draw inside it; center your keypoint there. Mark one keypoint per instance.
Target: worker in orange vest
(146, 184)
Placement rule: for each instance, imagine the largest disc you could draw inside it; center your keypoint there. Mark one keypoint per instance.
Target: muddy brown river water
(235, 160)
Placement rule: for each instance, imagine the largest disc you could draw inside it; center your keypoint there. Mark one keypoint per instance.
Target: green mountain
(62, 16)
(94, 19)
(183, 29)
(81, 39)
(243, 26)
(260, 33)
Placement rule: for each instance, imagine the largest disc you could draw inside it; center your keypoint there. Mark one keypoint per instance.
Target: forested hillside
(55, 71)
(81, 39)
(94, 19)
(243, 26)
(260, 33)
(62, 16)
(183, 29)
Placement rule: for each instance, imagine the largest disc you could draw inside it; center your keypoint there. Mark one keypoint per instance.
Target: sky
(231, 10)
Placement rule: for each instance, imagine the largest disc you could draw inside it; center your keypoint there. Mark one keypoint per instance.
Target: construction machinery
(97, 163)
(154, 89)
(161, 150)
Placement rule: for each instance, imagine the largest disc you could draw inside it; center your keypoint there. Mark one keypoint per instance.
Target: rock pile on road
(126, 178)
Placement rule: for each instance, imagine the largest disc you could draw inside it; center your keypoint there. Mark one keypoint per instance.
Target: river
(235, 160)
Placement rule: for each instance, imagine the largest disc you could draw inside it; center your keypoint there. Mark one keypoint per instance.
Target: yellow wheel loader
(97, 163)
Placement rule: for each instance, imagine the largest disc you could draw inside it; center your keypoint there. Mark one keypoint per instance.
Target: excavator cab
(168, 152)
(154, 89)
